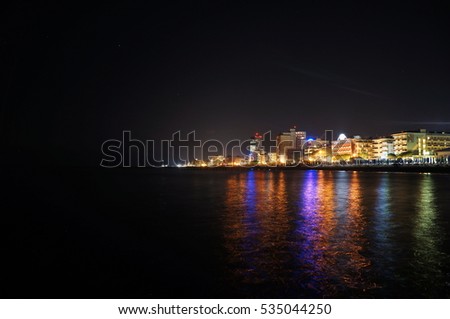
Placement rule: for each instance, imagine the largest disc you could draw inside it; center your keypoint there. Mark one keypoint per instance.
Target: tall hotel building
(289, 144)
(420, 143)
(382, 147)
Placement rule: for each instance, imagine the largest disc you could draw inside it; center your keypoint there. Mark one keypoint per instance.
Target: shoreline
(362, 168)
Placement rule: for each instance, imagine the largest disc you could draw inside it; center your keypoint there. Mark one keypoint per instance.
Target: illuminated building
(272, 157)
(420, 143)
(256, 149)
(382, 147)
(238, 161)
(289, 145)
(300, 138)
(328, 145)
(317, 150)
(255, 142)
(217, 160)
(363, 147)
(437, 141)
(343, 148)
(197, 163)
(405, 142)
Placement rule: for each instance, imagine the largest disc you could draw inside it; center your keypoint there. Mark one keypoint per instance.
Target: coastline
(362, 168)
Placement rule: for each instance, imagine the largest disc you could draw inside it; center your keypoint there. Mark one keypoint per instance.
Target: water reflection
(352, 240)
(332, 229)
(331, 234)
(382, 247)
(383, 214)
(315, 226)
(257, 228)
(428, 259)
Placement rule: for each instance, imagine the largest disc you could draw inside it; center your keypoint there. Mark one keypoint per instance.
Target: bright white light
(342, 137)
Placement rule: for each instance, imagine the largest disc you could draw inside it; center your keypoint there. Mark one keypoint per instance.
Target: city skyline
(76, 77)
(286, 148)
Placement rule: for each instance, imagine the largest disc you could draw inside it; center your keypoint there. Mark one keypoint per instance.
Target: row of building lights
(294, 146)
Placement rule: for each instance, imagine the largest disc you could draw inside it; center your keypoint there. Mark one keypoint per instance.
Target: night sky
(75, 75)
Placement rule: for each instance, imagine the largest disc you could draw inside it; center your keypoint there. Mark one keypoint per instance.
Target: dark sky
(75, 75)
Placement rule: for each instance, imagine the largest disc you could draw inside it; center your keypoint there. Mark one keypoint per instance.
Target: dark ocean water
(174, 233)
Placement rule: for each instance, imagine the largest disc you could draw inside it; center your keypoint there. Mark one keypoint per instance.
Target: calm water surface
(237, 233)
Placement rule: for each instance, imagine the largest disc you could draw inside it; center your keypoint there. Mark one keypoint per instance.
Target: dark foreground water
(227, 233)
